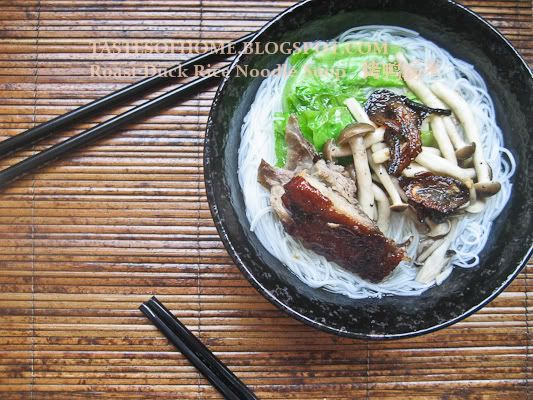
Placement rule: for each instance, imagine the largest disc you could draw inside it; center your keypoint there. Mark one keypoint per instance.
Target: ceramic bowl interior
(467, 37)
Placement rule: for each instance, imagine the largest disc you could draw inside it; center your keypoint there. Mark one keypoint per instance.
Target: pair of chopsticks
(39, 132)
(206, 362)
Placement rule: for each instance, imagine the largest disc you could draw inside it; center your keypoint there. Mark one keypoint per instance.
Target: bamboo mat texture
(86, 239)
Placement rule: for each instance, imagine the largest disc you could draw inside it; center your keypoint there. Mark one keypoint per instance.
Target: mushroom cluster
(394, 172)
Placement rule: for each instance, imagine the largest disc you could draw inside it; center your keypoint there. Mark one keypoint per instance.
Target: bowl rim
(228, 245)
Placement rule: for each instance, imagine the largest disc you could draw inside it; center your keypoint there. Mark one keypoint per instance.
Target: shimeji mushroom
(460, 107)
(432, 244)
(420, 226)
(437, 231)
(467, 163)
(414, 169)
(423, 93)
(439, 165)
(358, 112)
(436, 261)
(353, 134)
(464, 150)
(475, 205)
(331, 150)
(443, 128)
(430, 162)
(488, 188)
(380, 156)
(361, 165)
(375, 137)
(386, 180)
(382, 208)
(432, 150)
(442, 138)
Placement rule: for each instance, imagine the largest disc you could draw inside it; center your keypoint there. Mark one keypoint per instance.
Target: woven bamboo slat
(86, 239)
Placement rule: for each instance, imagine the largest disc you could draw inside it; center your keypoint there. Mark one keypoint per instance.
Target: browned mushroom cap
(435, 196)
(466, 151)
(353, 130)
(488, 188)
(331, 150)
(399, 207)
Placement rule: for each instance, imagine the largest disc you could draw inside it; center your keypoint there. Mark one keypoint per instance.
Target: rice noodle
(472, 230)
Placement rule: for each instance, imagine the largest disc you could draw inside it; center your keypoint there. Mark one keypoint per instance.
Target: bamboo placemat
(85, 240)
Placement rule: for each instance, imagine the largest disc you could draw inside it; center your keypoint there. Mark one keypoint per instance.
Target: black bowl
(466, 36)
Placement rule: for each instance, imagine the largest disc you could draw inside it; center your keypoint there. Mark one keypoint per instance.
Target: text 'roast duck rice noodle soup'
(469, 231)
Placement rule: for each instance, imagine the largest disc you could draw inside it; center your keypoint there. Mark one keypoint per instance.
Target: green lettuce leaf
(322, 79)
(320, 126)
(280, 146)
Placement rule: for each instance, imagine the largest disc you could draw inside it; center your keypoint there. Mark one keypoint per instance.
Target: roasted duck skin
(329, 225)
(316, 203)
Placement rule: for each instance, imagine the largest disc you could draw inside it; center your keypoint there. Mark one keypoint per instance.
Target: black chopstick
(110, 125)
(41, 131)
(217, 382)
(199, 355)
